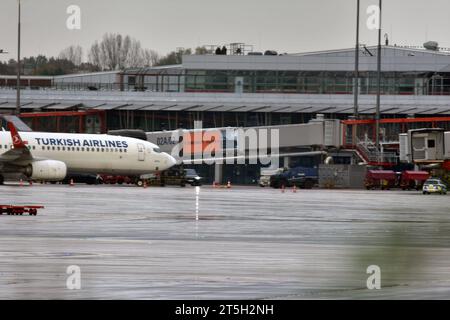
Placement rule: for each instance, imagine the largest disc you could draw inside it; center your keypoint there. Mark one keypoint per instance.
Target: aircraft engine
(46, 170)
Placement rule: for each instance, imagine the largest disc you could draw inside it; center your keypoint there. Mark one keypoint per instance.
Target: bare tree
(135, 55)
(151, 58)
(116, 52)
(110, 51)
(73, 54)
(94, 56)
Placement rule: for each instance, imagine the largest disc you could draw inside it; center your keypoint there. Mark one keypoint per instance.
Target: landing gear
(2, 180)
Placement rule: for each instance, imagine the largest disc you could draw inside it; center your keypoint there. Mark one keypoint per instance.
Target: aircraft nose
(171, 161)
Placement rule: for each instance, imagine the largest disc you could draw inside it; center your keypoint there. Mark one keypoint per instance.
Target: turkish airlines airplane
(51, 156)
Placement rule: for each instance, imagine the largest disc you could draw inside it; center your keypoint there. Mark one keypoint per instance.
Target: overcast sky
(284, 25)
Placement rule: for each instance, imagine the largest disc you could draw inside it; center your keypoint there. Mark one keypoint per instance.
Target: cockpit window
(157, 150)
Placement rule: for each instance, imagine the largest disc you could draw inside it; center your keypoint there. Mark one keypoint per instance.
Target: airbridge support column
(286, 161)
(218, 173)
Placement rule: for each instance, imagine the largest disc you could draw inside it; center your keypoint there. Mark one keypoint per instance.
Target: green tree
(174, 57)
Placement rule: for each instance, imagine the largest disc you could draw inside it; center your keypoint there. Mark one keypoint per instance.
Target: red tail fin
(17, 140)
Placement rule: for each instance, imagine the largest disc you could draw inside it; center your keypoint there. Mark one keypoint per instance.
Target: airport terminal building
(247, 90)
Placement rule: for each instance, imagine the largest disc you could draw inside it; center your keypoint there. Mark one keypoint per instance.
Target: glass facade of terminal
(261, 81)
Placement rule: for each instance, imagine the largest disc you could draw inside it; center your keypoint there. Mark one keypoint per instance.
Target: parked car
(175, 176)
(434, 186)
(264, 181)
(266, 174)
(301, 177)
(191, 177)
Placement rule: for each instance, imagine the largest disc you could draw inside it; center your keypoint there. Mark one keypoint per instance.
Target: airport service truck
(301, 177)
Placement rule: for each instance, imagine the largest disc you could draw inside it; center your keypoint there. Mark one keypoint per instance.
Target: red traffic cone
(145, 184)
(21, 182)
(229, 185)
(71, 183)
(294, 189)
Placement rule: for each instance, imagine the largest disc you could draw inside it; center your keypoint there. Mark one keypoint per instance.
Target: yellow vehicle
(434, 186)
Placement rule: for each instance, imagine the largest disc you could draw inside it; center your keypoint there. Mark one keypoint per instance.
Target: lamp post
(377, 112)
(356, 84)
(18, 60)
(2, 51)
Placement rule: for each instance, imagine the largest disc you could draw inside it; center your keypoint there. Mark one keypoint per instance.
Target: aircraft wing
(20, 151)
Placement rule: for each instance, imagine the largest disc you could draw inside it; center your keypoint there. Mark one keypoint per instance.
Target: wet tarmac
(248, 243)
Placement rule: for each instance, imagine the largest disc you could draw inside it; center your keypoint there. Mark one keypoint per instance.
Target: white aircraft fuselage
(85, 153)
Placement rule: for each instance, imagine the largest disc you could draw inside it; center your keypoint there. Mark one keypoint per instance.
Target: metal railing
(372, 155)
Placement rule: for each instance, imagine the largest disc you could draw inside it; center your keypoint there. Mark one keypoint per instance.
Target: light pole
(18, 60)
(377, 113)
(356, 84)
(2, 51)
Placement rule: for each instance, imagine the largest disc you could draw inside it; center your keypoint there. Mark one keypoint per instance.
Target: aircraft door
(141, 152)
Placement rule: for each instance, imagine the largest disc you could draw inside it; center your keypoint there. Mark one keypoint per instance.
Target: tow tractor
(19, 210)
